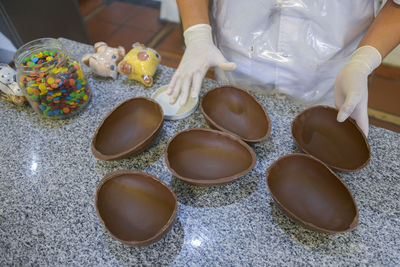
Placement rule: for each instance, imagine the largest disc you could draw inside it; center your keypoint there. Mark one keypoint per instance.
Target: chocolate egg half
(127, 130)
(136, 208)
(234, 110)
(341, 145)
(208, 157)
(310, 193)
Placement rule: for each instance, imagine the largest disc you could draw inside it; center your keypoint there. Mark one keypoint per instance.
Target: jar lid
(174, 111)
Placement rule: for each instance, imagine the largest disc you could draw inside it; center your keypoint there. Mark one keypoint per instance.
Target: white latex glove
(351, 86)
(199, 56)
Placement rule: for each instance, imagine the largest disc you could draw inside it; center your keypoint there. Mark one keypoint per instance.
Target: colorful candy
(55, 86)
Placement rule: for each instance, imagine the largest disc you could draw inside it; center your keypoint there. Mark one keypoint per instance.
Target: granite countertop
(48, 178)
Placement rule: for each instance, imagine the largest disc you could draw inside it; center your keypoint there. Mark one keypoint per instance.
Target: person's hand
(351, 86)
(199, 56)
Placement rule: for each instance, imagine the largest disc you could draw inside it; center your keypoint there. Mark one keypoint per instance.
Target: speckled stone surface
(48, 179)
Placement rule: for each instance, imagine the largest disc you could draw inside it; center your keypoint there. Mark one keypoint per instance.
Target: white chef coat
(294, 46)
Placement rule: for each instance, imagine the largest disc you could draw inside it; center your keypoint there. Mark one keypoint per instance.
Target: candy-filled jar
(51, 80)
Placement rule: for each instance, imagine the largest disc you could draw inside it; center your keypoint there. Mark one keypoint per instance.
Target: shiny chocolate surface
(127, 130)
(208, 157)
(309, 192)
(136, 208)
(234, 110)
(340, 145)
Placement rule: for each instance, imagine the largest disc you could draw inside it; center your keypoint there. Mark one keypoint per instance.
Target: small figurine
(140, 64)
(9, 89)
(105, 59)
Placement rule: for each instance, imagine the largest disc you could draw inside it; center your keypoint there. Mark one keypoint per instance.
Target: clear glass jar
(51, 80)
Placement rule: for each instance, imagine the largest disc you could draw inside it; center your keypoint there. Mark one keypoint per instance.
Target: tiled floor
(123, 23)
(172, 47)
(88, 6)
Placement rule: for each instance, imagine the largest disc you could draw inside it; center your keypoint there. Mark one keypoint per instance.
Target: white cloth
(295, 46)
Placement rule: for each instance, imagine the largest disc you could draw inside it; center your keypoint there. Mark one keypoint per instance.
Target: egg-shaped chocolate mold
(310, 193)
(341, 145)
(234, 110)
(128, 129)
(208, 157)
(135, 207)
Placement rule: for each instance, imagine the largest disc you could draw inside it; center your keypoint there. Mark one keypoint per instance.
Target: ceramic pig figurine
(105, 59)
(140, 64)
(9, 89)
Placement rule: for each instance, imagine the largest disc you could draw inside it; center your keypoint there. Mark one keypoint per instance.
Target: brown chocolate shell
(208, 157)
(340, 145)
(128, 129)
(310, 193)
(234, 110)
(135, 207)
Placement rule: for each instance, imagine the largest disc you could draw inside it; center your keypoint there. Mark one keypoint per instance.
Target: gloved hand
(199, 56)
(351, 86)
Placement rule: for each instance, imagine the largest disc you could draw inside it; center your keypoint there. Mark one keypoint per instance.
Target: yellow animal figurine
(140, 64)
